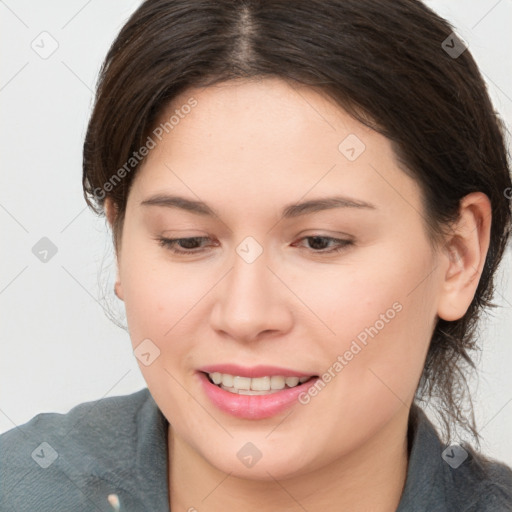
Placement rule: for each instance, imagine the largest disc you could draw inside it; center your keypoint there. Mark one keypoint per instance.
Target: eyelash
(170, 244)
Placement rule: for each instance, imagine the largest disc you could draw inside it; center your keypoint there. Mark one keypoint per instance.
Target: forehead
(265, 139)
(255, 108)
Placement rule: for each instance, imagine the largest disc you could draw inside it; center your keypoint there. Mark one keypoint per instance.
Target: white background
(58, 348)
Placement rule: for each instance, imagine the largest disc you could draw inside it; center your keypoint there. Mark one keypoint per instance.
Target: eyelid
(171, 242)
(341, 244)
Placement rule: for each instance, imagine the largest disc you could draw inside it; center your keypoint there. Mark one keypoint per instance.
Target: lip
(253, 371)
(253, 407)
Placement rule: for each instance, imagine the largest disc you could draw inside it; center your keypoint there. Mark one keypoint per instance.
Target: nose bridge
(249, 281)
(249, 300)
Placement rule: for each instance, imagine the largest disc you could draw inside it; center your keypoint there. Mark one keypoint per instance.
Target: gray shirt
(72, 462)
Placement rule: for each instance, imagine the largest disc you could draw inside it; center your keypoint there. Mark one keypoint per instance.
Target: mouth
(254, 398)
(256, 385)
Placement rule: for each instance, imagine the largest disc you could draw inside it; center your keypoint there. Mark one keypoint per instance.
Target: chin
(265, 464)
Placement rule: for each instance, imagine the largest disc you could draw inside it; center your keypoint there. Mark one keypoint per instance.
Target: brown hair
(387, 62)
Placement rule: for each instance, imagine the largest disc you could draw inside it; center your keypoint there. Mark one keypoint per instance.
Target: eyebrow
(289, 211)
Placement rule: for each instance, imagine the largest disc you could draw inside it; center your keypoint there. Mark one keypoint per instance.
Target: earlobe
(111, 213)
(464, 256)
(118, 290)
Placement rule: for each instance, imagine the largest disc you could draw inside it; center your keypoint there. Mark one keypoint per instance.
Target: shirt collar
(424, 469)
(142, 474)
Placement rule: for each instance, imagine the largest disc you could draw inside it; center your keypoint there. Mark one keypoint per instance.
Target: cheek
(382, 316)
(160, 300)
(156, 293)
(157, 302)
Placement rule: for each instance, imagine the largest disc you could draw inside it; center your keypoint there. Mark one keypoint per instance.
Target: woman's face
(255, 291)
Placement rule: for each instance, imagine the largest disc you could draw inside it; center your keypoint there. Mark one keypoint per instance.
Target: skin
(248, 149)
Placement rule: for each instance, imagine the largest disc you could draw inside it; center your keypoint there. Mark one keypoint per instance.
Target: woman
(309, 201)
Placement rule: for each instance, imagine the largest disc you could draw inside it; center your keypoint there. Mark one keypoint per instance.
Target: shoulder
(454, 477)
(82, 425)
(62, 454)
(479, 484)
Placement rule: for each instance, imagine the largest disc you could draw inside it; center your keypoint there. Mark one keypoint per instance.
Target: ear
(111, 213)
(464, 256)
(110, 210)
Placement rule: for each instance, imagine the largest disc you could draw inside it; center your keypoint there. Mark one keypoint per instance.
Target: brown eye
(318, 243)
(183, 245)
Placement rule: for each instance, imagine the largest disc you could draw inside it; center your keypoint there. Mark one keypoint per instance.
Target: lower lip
(253, 407)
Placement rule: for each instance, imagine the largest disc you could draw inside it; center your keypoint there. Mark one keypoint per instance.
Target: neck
(371, 477)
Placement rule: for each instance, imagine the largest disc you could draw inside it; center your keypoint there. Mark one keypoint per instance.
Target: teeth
(216, 377)
(227, 380)
(249, 391)
(255, 386)
(292, 381)
(241, 383)
(277, 382)
(260, 384)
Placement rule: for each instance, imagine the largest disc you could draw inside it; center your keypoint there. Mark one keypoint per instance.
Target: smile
(253, 398)
(254, 386)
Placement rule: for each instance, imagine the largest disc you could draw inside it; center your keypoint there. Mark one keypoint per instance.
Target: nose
(251, 302)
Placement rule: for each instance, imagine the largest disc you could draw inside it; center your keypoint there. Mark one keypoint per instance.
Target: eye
(192, 245)
(319, 242)
(188, 245)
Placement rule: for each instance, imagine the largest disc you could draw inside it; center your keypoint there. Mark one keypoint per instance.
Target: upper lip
(253, 371)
